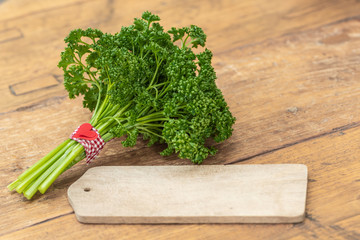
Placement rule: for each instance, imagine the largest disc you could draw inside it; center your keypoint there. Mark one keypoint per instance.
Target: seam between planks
(40, 104)
(347, 19)
(343, 20)
(334, 130)
(38, 223)
(36, 12)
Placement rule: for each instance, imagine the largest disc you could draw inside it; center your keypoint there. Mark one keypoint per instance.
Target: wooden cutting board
(273, 193)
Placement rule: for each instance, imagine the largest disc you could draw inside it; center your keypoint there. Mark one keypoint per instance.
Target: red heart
(85, 132)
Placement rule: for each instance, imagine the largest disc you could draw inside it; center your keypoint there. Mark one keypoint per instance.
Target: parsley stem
(36, 172)
(156, 71)
(68, 159)
(14, 184)
(149, 131)
(43, 160)
(33, 187)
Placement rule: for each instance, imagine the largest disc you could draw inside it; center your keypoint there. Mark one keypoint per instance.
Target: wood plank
(37, 53)
(281, 96)
(258, 193)
(228, 24)
(34, 85)
(332, 202)
(10, 35)
(302, 87)
(323, 104)
(264, 122)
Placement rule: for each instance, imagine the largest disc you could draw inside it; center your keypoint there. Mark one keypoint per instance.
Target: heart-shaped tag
(85, 132)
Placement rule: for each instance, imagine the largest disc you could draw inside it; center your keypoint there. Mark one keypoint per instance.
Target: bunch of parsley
(139, 82)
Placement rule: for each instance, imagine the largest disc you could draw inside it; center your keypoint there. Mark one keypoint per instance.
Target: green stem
(97, 104)
(95, 117)
(158, 85)
(150, 116)
(147, 130)
(36, 172)
(110, 110)
(164, 90)
(14, 184)
(91, 75)
(149, 125)
(85, 43)
(183, 45)
(33, 187)
(146, 54)
(56, 169)
(144, 110)
(156, 70)
(56, 173)
(43, 160)
(152, 120)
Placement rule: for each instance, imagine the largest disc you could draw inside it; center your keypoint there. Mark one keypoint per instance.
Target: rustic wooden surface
(288, 69)
(245, 193)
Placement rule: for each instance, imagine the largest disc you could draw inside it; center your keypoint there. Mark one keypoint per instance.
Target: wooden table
(290, 71)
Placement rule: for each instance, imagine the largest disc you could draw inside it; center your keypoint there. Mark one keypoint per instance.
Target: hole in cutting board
(87, 189)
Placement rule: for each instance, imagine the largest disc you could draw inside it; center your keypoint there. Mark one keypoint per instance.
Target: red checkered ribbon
(91, 140)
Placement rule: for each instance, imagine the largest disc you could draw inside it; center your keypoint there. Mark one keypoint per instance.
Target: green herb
(139, 82)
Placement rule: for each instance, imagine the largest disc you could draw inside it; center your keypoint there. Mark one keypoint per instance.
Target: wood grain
(37, 29)
(332, 202)
(257, 193)
(288, 69)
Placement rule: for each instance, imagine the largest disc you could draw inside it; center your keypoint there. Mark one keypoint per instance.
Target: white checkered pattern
(92, 147)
